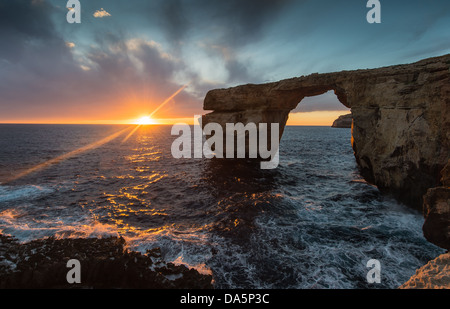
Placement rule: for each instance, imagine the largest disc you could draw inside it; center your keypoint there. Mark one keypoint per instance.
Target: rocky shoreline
(436, 229)
(399, 132)
(105, 264)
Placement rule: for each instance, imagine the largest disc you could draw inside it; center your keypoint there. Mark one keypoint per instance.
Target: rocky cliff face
(344, 121)
(436, 209)
(401, 122)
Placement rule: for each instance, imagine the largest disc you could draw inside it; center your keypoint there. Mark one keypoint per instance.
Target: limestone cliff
(401, 122)
(436, 209)
(344, 121)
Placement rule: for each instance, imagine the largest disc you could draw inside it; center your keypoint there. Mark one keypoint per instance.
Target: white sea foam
(22, 218)
(9, 193)
(190, 247)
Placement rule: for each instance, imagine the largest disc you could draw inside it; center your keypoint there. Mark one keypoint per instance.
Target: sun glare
(145, 121)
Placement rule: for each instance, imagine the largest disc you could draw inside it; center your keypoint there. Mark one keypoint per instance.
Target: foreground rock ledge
(105, 264)
(434, 275)
(401, 121)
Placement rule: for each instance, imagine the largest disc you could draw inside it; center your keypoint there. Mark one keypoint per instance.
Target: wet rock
(434, 275)
(105, 263)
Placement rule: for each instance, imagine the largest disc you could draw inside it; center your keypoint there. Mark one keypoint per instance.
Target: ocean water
(311, 223)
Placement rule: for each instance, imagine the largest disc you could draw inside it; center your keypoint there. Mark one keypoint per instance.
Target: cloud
(124, 69)
(44, 76)
(212, 34)
(101, 13)
(325, 102)
(24, 23)
(154, 47)
(233, 22)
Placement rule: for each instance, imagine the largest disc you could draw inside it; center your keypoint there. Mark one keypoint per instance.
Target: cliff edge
(344, 122)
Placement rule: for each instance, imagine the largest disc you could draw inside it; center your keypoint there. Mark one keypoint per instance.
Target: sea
(311, 223)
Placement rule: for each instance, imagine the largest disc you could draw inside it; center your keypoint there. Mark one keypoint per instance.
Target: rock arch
(401, 121)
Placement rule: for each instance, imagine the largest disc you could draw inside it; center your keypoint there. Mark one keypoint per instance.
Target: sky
(126, 58)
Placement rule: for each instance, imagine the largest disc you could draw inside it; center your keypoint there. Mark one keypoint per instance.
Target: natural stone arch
(269, 103)
(400, 118)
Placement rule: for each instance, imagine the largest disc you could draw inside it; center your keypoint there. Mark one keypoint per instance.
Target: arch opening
(319, 110)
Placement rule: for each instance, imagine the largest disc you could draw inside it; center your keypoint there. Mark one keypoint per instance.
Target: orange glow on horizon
(322, 118)
(124, 108)
(319, 118)
(146, 120)
(295, 119)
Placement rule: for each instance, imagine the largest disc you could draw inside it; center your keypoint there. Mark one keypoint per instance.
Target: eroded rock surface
(434, 275)
(401, 122)
(436, 207)
(105, 264)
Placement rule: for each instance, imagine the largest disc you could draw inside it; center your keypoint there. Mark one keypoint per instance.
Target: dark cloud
(174, 20)
(325, 102)
(35, 58)
(222, 26)
(233, 22)
(25, 24)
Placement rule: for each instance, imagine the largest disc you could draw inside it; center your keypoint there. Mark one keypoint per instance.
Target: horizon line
(132, 124)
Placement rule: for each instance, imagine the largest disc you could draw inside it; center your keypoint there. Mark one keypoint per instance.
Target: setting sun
(146, 120)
